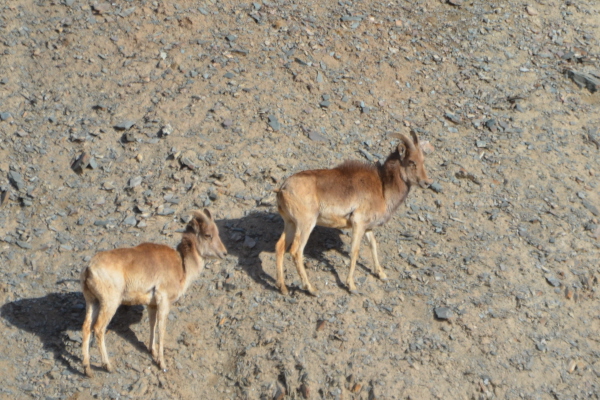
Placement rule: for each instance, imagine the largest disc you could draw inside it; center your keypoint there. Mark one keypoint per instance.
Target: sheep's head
(208, 241)
(413, 161)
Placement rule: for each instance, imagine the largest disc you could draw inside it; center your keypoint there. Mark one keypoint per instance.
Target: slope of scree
(118, 118)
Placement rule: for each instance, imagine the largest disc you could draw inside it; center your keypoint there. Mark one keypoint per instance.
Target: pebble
(5, 116)
(125, 125)
(532, 11)
(166, 130)
(436, 187)
(82, 162)
(135, 181)
(131, 220)
(443, 313)
(584, 80)
(16, 179)
(552, 280)
(316, 137)
(249, 242)
(274, 123)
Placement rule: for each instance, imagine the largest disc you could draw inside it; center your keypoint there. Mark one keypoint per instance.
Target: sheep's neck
(192, 261)
(395, 184)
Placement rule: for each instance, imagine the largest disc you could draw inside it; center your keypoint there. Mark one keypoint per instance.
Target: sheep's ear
(194, 225)
(208, 214)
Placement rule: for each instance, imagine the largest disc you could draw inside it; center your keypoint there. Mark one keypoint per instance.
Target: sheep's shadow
(53, 316)
(258, 232)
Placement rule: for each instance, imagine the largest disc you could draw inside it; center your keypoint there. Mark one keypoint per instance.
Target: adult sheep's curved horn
(413, 134)
(408, 144)
(199, 214)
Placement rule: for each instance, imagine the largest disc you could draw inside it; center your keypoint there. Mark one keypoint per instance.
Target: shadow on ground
(52, 317)
(258, 232)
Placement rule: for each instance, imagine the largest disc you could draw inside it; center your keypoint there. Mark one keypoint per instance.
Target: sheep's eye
(412, 164)
(208, 236)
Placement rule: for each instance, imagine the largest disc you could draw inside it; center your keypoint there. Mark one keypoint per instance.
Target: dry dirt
(186, 104)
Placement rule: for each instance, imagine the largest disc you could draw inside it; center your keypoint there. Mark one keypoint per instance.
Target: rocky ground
(117, 119)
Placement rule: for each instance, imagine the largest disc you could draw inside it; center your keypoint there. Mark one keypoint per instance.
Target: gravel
(492, 287)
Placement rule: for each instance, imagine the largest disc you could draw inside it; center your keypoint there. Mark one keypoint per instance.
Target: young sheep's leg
(152, 317)
(90, 314)
(371, 239)
(107, 311)
(297, 250)
(357, 233)
(282, 246)
(163, 307)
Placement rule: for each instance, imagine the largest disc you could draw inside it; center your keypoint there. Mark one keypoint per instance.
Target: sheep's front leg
(373, 244)
(358, 232)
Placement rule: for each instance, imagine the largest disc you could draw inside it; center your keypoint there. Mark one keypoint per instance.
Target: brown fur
(353, 195)
(150, 274)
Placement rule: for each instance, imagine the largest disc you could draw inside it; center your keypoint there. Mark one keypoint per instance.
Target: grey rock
(103, 222)
(16, 179)
(274, 123)
(24, 245)
(552, 280)
(81, 162)
(166, 130)
(436, 187)
(164, 210)
(93, 164)
(315, 136)
(319, 77)
(367, 155)
(541, 346)
(128, 137)
(443, 313)
(135, 181)
(249, 242)
(125, 125)
(347, 18)
(591, 208)
(130, 220)
(4, 116)
(584, 80)
(452, 117)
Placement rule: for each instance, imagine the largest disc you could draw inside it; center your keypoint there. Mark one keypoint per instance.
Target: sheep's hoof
(283, 289)
(109, 367)
(352, 288)
(88, 371)
(383, 276)
(311, 290)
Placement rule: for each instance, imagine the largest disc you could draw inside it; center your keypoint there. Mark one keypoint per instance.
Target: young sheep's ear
(194, 226)
(208, 214)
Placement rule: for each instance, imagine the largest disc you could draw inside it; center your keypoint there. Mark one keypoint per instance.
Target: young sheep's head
(413, 161)
(206, 232)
